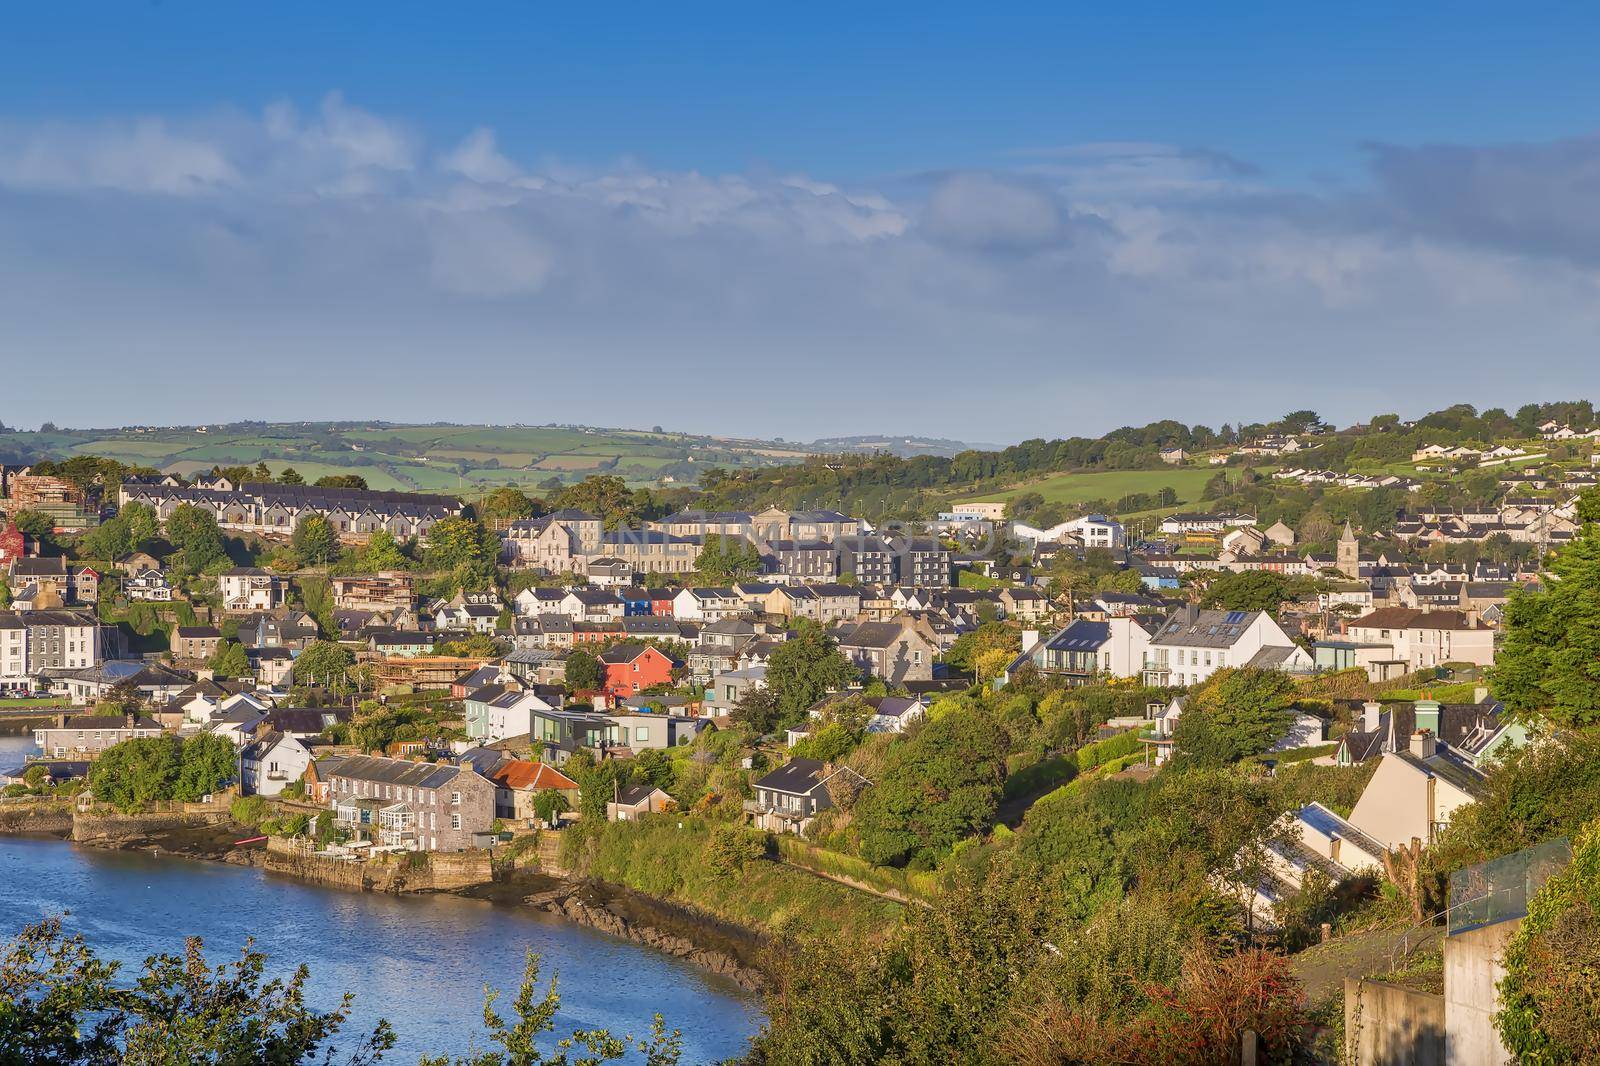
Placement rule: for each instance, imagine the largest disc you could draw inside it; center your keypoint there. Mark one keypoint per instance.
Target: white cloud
(1069, 262)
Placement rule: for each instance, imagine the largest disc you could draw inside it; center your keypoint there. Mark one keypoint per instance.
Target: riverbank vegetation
(62, 1003)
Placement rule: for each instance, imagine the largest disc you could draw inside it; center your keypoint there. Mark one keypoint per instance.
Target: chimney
(1480, 694)
(128, 719)
(1423, 745)
(1192, 613)
(1369, 716)
(1030, 640)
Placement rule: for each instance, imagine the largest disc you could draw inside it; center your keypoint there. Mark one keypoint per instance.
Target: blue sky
(795, 220)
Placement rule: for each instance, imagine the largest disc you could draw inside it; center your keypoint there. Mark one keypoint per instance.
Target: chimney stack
(1480, 694)
(1370, 712)
(1423, 744)
(1030, 640)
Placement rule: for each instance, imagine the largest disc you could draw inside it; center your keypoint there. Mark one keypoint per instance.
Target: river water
(419, 961)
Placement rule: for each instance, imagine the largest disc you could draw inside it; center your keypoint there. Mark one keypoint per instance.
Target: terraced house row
(273, 510)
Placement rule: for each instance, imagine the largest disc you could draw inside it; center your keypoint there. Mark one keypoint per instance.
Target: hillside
(429, 458)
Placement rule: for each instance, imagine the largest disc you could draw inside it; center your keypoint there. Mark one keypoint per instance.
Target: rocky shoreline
(728, 952)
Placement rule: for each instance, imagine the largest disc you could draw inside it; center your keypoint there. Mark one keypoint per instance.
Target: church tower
(1348, 558)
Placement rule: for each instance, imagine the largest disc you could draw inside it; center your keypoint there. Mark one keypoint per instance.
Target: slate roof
(1204, 628)
(386, 771)
(796, 777)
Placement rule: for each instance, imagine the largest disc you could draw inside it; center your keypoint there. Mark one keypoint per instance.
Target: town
(1343, 632)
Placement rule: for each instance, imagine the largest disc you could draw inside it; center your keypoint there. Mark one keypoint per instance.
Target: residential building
(274, 510)
(789, 798)
(800, 560)
(1422, 639)
(195, 643)
(388, 590)
(149, 585)
(517, 783)
(632, 668)
(250, 588)
(1193, 643)
(1085, 650)
(637, 800)
(88, 735)
(894, 651)
(414, 806)
(273, 761)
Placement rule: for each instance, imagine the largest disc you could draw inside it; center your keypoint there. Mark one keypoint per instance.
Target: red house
(661, 601)
(632, 668)
(13, 545)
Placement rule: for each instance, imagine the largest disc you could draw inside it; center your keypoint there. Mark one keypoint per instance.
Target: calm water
(420, 961)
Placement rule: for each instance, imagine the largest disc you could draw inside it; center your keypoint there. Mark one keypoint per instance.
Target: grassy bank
(658, 858)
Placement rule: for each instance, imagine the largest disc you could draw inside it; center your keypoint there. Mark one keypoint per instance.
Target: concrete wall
(1472, 969)
(1387, 1025)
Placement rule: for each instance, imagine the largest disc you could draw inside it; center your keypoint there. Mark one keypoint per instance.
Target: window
(455, 800)
(641, 734)
(455, 821)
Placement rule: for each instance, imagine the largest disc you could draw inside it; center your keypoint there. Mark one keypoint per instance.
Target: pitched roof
(524, 774)
(388, 771)
(1410, 618)
(797, 776)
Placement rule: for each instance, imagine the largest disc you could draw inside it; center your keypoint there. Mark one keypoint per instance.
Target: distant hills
(442, 457)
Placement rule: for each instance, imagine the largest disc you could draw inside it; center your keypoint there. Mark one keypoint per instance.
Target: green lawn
(1112, 485)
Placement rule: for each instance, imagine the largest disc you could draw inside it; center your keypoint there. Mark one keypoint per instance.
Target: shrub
(729, 847)
(1550, 999)
(250, 810)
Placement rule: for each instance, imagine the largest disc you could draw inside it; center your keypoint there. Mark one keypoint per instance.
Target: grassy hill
(435, 458)
(1110, 485)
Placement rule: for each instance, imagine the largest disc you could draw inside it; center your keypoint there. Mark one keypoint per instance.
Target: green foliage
(605, 496)
(132, 527)
(250, 810)
(206, 764)
(548, 804)
(938, 786)
(34, 523)
(193, 532)
(656, 857)
(230, 660)
(1255, 590)
(583, 672)
(1550, 995)
(138, 772)
(325, 663)
(730, 848)
(1549, 665)
(1236, 712)
(803, 670)
(726, 559)
(381, 552)
(315, 541)
(465, 548)
(60, 1004)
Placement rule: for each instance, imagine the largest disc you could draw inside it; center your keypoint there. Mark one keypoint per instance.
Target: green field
(1186, 481)
(436, 458)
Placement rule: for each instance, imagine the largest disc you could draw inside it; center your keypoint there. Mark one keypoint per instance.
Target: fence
(1499, 890)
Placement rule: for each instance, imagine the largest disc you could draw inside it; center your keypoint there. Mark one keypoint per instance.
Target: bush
(1550, 999)
(730, 847)
(250, 810)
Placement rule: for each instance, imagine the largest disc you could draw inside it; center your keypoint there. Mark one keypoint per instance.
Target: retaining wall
(1388, 1025)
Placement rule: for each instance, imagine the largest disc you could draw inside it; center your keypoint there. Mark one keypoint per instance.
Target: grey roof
(387, 771)
(797, 777)
(869, 635)
(1204, 628)
(1450, 768)
(1081, 635)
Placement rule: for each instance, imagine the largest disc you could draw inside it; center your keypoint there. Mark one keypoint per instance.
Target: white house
(272, 762)
(250, 588)
(1422, 639)
(1092, 531)
(1192, 644)
(1086, 649)
(1415, 791)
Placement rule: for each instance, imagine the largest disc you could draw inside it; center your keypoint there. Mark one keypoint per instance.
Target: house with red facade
(632, 668)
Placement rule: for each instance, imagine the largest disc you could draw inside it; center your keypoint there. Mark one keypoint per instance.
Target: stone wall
(1388, 1025)
(26, 816)
(109, 827)
(395, 873)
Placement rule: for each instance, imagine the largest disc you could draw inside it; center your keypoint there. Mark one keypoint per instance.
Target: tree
(938, 786)
(34, 523)
(1247, 590)
(60, 1004)
(1549, 665)
(505, 505)
(382, 553)
(290, 477)
(137, 772)
(315, 540)
(206, 764)
(325, 663)
(455, 541)
(757, 710)
(193, 531)
(803, 670)
(584, 672)
(1237, 711)
(229, 660)
(342, 481)
(604, 495)
(726, 559)
(5, 594)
